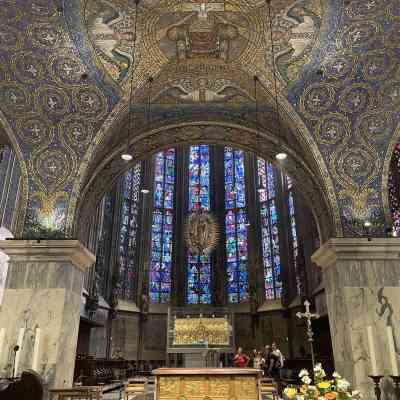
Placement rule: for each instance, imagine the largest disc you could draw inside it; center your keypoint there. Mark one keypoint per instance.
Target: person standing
(240, 360)
(267, 359)
(279, 355)
(258, 361)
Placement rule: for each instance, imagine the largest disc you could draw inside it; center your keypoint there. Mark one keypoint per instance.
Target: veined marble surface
(45, 295)
(361, 294)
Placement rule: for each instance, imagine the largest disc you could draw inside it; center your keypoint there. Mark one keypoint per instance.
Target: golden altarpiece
(201, 335)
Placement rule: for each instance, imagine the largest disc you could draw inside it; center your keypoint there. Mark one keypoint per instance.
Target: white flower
(336, 375)
(303, 372)
(306, 380)
(318, 367)
(342, 385)
(356, 395)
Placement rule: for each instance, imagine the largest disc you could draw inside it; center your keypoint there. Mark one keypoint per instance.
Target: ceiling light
(368, 224)
(145, 191)
(126, 157)
(281, 156)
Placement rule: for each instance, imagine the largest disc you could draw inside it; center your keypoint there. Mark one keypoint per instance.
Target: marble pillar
(362, 284)
(43, 290)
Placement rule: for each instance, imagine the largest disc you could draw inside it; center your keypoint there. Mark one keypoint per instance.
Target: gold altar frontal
(207, 384)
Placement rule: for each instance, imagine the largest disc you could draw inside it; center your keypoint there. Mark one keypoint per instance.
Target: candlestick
(392, 351)
(19, 344)
(372, 353)
(2, 339)
(377, 387)
(36, 351)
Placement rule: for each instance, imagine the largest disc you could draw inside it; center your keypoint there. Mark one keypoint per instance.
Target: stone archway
(263, 143)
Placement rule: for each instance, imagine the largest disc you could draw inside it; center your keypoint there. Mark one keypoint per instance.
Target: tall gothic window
(162, 228)
(199, 266)
(127, 233)
(269, 230)
(236, 226)
(394, 189)
(293, 231)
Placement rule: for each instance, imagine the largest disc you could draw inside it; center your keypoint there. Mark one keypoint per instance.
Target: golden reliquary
(191, 331)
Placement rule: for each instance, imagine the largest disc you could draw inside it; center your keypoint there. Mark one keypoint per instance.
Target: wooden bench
(78, 393)
(133, 389)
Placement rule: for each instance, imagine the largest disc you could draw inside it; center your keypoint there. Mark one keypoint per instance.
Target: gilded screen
(190, 331)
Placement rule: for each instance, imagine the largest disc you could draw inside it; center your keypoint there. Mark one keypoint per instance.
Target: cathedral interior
(234, 161)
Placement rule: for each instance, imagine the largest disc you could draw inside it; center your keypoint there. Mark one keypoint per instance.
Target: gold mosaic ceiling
(206, 35)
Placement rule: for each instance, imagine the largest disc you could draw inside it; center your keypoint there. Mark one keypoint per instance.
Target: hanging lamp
(281, 155)
(126, 156)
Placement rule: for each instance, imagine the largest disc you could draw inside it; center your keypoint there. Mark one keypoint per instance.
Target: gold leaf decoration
(202, 232)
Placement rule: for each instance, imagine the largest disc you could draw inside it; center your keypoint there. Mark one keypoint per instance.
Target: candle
(36, 349)
(17, 355)
(372, 353)
(392, 352)
(2, 338)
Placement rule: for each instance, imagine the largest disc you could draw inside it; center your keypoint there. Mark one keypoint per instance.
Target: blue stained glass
(199, 266)
(127, 234)
(236, 225)
(293, 231)
(162, 227)
(269, 230)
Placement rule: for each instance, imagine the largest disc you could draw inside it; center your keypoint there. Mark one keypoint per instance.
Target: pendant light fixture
(126, 156)
(281, 155)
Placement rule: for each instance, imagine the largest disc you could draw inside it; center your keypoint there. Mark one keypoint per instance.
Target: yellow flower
(291, 392)
(324, 385)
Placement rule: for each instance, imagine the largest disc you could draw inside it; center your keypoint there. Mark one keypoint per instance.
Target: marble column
(362, 283)
(43, 290)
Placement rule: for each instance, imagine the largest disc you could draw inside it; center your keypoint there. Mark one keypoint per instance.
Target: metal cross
(308, 316)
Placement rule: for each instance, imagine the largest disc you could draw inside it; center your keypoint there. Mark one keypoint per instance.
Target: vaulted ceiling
(66, 68)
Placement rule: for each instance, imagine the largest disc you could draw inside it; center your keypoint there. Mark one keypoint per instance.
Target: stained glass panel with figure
(236, 225)
(199, 266)
(269, 230)
(162, 227)
(127, 234)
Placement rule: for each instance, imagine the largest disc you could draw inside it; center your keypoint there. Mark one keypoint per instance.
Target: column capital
(49, 250)
(356, 249)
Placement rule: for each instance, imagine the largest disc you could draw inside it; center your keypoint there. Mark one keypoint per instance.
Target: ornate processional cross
(308, 316)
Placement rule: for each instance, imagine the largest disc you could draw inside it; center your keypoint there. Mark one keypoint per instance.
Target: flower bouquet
(323, 389)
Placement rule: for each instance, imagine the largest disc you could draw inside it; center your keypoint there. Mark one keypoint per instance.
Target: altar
(207, 383)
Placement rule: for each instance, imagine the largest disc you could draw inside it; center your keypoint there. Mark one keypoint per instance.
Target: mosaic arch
(201, 132)
(349, 108)
(226, 95)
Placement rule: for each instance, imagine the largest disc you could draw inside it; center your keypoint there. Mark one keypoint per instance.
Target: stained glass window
(293, 230)
(127, 233)
(269, 230)
(394, 185)
(104, 234)
(162, 227)
(199, 266)
(236, 226)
